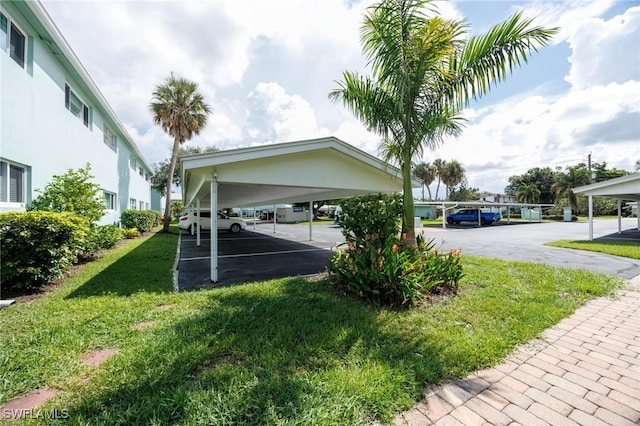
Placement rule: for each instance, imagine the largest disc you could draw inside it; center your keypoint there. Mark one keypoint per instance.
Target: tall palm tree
(528, 193)
(452, 174)
(424, 71)
(439, 164)
(426, 173)
(180, 110)
(565, 182)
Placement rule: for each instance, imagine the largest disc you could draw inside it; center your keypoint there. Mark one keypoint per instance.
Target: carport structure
(293, 172)
(621, 188)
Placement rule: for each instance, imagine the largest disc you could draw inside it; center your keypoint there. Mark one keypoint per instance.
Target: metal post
(214, 229)
(619, 216)
(274, 218)
(590, 217)
(254, 218)
(197, 222)
(638, 214)
(310, 220)
(444, 217)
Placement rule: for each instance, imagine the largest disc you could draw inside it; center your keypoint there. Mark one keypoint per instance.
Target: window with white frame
(110, 139)
(141, 205)
(133, 162)
(13, 179)
(109, 200)
(132, 203)
(146, 206)
(73, 103)
(13, 40)
(141, 171)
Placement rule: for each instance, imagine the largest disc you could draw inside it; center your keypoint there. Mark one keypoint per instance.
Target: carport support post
(638, 214)
(619, 216)
(214, 228)
(590, 217)
(198, 222)
(275, 212)
(254, 218)
(310, 220)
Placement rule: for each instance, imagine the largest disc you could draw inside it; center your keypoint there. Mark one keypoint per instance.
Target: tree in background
(637, 166)
(180, 110)
(528, 193)
(565, 182)
(452, 174)
(463, 192)
(425, 70)
(542, 178)
(426, 173)
(438, 164)
(72, 192)
(161, 169)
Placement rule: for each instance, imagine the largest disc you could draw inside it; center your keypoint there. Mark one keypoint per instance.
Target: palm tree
(565, 182)
(424, 71)
(439, 164)
(181, 112)
(452, 174)
(426, 173)
(529, 194)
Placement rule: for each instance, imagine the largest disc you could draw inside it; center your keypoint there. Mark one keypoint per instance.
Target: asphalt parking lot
(260, 254)
(249, 256)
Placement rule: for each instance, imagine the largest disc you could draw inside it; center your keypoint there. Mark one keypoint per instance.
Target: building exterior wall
(40, 133)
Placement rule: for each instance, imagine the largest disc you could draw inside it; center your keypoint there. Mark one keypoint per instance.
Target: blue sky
(266, 68)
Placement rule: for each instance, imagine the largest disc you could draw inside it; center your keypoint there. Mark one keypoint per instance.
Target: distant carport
(293, 172)
(621, 188)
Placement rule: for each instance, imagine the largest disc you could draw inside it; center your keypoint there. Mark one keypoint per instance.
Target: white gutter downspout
(214, 228)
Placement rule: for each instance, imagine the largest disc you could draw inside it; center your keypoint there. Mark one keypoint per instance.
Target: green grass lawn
(285, 351)
(617, 248)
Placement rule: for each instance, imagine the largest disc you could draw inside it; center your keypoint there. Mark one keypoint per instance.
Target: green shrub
(37, 246)
(100, 238)
(143, 220)
(130, 233)
(375, 266)
(72, 192)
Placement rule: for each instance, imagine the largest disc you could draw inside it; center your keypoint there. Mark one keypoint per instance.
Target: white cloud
(275, 116)
(606, 51)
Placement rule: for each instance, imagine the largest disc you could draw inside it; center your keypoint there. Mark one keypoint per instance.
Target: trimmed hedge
(37, 246)
(143, 220)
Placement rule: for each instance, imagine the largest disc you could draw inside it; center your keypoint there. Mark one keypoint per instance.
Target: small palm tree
(424, 71)
(529, 194)
(452, 174)
(565, 182)
(181, 112)
(426, 173)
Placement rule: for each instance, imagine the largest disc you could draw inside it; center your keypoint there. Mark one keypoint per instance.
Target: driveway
(260, 254)
(248, 256)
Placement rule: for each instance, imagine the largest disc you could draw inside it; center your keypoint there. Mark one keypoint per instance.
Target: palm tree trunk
(429, 189)
(408, 227)
(167, 202)
(438, 187)
(423, 192)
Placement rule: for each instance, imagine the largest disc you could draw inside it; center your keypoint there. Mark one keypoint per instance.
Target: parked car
(189, 221)
(471, 215)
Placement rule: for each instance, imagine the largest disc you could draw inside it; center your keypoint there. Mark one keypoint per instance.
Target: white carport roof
(302, 171)
(623, 188)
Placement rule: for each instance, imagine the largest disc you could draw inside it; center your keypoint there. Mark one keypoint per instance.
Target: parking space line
(257, 254)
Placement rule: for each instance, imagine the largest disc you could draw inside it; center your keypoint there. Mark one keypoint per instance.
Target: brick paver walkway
(585, 371)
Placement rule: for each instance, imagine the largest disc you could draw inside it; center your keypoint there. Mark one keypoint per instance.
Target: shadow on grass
(269, 353)
(146, 268)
